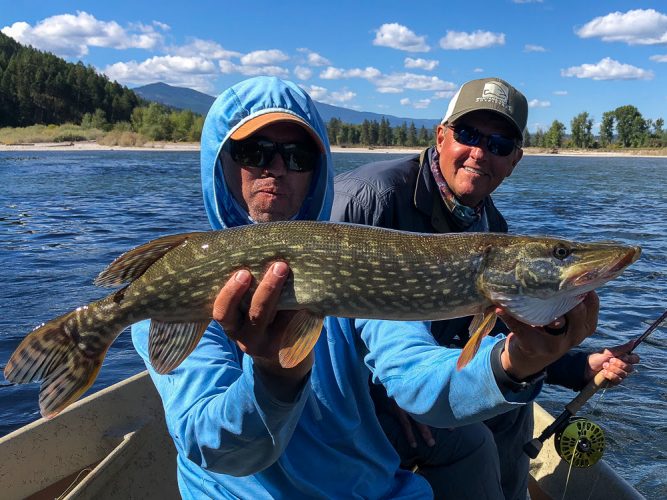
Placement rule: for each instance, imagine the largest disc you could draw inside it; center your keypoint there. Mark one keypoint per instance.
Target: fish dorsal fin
(132, 264)
(303, 331)
(536, 311)
(481, 326)
(170, 343)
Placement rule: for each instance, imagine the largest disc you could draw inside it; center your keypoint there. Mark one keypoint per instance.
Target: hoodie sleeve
(218, 412)
(422, 378)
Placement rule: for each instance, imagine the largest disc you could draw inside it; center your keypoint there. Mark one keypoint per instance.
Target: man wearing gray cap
(447, 189)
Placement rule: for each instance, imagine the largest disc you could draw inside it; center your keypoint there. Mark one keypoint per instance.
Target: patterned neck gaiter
(464, 216)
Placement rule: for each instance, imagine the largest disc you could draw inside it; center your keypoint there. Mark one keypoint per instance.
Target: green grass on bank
(48, 133)
(36, 134)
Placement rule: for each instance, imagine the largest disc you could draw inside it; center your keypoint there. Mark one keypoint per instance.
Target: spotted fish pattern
(342, 270)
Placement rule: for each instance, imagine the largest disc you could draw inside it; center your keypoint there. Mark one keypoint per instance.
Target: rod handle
(586, 393)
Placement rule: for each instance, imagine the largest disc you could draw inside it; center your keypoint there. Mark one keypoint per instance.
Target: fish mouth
(594, 272)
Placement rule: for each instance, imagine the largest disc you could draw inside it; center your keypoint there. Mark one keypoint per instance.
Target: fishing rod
(585, 436)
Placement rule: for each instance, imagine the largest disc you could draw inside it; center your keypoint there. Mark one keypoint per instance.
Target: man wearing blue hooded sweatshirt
(246, 428)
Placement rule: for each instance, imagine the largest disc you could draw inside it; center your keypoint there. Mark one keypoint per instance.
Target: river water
(65, 215)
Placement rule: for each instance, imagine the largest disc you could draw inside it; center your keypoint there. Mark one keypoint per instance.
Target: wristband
(504, 380)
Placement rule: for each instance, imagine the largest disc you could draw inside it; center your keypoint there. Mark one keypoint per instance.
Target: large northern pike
(340, 270)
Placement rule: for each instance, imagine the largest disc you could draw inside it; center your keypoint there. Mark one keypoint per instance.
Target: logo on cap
(495, 92)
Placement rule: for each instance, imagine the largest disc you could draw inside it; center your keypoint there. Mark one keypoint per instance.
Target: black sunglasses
(259, 152)
(496, 144)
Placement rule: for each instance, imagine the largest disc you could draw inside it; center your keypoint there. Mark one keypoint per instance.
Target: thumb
(616, 351)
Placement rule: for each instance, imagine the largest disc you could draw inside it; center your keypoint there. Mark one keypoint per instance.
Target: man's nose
(479, 151)
(277, 166)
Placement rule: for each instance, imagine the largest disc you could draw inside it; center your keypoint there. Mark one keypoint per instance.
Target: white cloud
(259, 62)
(303, 72)
(316, 92)
(389, 83)
(322, 94)
(478, 70)
(634, 27)
(191, 72)
(389, 90)
(332, 73)
(162, 26)
(368, 73)
(419, 63)
(69, 35)
(533, 48)
(313, 58)
(413, 81)
(228, 67)
(343, 96)
(444, 94)
(536, 103)
(420, 104)
(399, 37)
(202, 48)
(264, 57)
(460, 40)
(560, 92)
(661, 58)
(608, 69)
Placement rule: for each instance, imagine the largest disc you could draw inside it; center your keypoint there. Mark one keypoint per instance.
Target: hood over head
(240, 111)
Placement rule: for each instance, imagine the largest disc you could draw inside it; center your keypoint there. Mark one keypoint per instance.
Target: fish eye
(561, 252)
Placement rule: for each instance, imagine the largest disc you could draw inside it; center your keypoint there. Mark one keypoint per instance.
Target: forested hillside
(39, 88)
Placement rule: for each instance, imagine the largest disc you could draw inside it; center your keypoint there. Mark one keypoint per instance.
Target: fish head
(539, 279)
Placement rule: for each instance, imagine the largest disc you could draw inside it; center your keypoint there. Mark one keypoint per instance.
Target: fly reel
(580, 443)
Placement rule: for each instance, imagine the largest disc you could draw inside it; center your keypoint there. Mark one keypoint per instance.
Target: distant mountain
(184, 98)
(176, 97)
(327, 111)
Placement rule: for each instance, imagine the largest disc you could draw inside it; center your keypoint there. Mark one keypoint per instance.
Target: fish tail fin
(304, 330)
(480, 327)
(65, 354)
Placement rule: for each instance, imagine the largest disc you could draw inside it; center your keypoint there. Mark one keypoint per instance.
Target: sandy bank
(194, 146)
(94, 146)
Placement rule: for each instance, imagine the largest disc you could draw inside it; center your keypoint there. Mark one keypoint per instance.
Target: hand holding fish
(614, 362)
(259, 330)
(530, 349)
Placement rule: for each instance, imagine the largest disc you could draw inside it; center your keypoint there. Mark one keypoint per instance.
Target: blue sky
(404, 58)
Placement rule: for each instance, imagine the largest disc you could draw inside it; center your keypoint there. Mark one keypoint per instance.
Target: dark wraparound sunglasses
(496, 144)
(259, 152)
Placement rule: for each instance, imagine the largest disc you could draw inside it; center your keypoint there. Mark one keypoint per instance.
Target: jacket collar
(427, 197)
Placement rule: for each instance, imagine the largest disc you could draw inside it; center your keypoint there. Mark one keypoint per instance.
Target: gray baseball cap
(492, 94)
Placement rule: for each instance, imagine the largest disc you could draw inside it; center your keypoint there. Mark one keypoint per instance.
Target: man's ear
(440, 137)
(518, 154)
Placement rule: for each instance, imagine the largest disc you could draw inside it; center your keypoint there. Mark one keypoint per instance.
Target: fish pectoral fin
(132, 264)
(481, 326)
(537, 311)
(302, 333)
(170, 343)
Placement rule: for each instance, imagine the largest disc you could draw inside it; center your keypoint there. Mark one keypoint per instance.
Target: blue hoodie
(234, 440)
